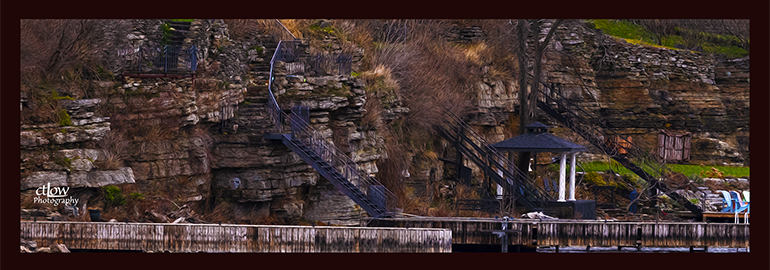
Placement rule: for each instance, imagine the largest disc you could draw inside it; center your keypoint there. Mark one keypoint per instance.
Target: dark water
(643, 250)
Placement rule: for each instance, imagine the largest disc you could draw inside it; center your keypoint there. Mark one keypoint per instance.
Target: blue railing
(157, 59)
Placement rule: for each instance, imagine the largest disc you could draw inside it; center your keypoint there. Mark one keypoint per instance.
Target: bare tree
(49, 47)
(737, 28)
(528, 89)
(659, 28)
(691, 33)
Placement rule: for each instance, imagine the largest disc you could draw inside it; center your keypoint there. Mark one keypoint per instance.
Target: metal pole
(505, 235)
(165, 59)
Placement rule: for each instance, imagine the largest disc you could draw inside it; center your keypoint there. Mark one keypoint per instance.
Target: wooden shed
(674, 146)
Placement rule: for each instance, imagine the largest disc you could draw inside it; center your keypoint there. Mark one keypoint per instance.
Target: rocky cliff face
(638, 91)
(641, 90)
(266, 176)
(200, 140)
(162, 144)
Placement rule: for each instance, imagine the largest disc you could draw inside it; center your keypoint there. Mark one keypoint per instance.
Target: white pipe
(746, 217)
(572, 178)
(562, 175)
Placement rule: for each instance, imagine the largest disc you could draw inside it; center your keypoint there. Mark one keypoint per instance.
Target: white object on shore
(537, 215)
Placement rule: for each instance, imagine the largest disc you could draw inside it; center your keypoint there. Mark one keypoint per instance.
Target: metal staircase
(310, 145)
(583, 123)
(336, 166)
(494, 164)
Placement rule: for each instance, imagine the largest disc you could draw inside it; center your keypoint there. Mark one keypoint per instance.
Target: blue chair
(747, 195)
(727, 202)
(740, 205)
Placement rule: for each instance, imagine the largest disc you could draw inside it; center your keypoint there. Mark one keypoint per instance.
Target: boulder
(59, 248)
(38, 179)
(123, 175)
(28, 244)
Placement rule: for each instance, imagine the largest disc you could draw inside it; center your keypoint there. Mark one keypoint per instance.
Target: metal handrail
(633, 149)
(315, 140)
(149, 59)
(287, 29)
(661, 169)
(518, 176)
(332, 155)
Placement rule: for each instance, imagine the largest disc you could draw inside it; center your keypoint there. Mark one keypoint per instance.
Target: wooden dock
(719, 216)
(213, 238)
(582, 232)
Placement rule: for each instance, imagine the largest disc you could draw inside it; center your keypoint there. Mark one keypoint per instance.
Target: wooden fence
(212, 238)
(583, 233)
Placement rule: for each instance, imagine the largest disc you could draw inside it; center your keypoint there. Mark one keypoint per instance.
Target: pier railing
(583, 232)
(230, 238)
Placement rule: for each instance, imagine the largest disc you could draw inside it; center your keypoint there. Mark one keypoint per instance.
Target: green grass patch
(729, 51)
(623, 29)
(137, 196)
(167, 29)
(260, 50)
(687, 170)
(181, 20)
(114, 195)
(55, 95)
(637, 35)
(64, 162)
(64, 117)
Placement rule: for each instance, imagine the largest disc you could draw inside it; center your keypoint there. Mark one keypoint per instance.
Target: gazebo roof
(537, 139)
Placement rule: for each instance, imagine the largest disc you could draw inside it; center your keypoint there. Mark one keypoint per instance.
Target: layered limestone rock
(274, 180)
(43, 164)
(639, 90)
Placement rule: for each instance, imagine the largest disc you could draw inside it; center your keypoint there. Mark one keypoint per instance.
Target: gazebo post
(562, 169)
(572, 177)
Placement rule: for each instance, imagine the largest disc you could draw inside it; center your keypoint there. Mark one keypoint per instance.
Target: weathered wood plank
(582, 233)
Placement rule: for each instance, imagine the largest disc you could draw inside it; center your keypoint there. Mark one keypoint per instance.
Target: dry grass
(241, 28)
(442, 209)
(49, 47)
(380, 86)
(45, 108)
(295, 26)
(222, 212)
(265, 220)
(114, 145)
(413, 61)
(372, 117)
(155, 129)
(463, 192)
